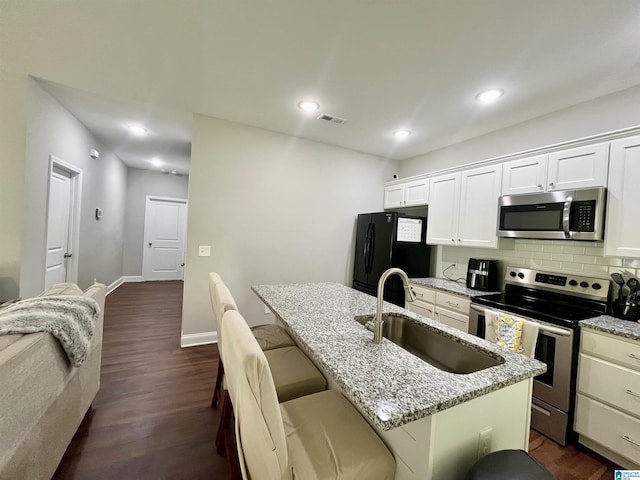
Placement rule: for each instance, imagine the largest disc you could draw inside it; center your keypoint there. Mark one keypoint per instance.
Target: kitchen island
(435, 422)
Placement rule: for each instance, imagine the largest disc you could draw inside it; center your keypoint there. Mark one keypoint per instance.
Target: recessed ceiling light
(489, 96)
(401, 134)
(137, 129)
(308, 105)
(156, 162)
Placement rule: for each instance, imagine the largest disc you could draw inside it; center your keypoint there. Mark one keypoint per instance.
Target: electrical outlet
(484, 442)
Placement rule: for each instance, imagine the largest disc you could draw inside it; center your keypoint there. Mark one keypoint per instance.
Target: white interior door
(60, 214)
(164, 239)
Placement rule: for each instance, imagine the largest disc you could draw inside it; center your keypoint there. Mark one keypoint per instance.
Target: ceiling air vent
(330, 118)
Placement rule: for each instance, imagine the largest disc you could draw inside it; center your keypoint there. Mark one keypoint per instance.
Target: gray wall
(141, 183)
(611, 112)
(13, 128)
(274, 209)
(51, 129)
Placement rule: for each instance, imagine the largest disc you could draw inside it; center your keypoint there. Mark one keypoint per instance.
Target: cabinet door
(622, 234)
(580, 167)
(479, 192)
(394, 196)
(444, 202)
(416, 192)
(453, 319)
(526, 175)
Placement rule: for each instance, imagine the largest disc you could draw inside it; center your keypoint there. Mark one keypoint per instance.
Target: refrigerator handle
(365, 250)
(372, 246)
(367, 247)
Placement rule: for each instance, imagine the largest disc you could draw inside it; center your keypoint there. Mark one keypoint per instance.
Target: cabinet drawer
(424, 294)
(422, 308)
(614, 430)
(455, 303)
(613, 384)
(616, 349)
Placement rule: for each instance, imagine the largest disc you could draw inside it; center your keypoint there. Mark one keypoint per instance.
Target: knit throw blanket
(69, 318)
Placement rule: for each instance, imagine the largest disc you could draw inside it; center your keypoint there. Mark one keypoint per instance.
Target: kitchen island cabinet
(431, 419)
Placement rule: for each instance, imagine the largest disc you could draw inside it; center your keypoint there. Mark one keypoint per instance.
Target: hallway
(152, 417)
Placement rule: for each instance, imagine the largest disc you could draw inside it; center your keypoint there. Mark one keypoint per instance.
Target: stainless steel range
(557, 302)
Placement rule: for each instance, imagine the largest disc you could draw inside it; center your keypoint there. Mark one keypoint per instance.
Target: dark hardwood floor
(152, 417)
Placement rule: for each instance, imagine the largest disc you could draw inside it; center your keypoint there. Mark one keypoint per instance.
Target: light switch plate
(204, 251)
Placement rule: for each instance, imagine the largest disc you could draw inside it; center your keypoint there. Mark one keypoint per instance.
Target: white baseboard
(112, 286)
(195, 339)
(127, 278)
(132, 278)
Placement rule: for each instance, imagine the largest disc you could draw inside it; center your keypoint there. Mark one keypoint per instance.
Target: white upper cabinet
(622, 234)
(408, 194)
(444, 206)
(463, 208)
(479, 194)
(525, 175)
(581, 167)
(394, 196)
(416, 192)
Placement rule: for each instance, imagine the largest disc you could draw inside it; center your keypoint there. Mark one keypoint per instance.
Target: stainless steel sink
(432, 346)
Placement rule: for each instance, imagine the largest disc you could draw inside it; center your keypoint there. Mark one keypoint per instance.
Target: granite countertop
(606, 323)
(389, 385)
(449, 286)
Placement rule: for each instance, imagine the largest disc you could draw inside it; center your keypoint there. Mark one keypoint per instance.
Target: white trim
(112, 286)
(75, 175)
(124, 279)
(195, 339)
(132, 278)
(578, 142)
(145, 241)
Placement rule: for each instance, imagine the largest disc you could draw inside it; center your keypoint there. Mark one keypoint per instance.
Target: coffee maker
(482, 274)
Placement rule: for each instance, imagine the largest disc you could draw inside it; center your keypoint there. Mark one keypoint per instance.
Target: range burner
(562, 299)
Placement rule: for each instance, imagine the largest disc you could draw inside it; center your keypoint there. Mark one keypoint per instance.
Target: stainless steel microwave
(561, 215)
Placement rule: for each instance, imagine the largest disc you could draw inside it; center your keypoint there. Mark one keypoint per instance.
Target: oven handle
(542, 328)
(566, 212)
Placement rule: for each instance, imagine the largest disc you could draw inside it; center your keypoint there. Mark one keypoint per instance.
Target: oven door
(554, 348)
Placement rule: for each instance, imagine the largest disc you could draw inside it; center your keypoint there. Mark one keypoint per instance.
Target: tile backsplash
(569, 256)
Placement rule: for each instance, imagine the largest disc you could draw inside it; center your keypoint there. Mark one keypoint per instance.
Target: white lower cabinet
(608, 398)
(450, 309)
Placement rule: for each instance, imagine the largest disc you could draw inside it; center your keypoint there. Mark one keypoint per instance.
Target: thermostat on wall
(98, 213)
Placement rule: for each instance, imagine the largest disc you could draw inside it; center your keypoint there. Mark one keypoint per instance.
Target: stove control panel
(587, 287)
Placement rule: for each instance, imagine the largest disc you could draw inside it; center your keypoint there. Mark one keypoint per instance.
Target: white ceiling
(380, 64)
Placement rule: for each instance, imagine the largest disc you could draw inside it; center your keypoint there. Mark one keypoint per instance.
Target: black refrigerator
(385, 240)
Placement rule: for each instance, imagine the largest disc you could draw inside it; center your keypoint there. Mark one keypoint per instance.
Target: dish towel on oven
(512, 332)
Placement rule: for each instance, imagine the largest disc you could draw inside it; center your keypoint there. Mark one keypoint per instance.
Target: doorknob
(150, 243)
(182, 264)
(68, 255)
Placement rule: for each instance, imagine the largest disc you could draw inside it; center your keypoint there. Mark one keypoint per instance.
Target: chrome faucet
(378, 322)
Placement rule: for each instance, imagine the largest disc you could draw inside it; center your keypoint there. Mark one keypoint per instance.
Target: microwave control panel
(583, 216)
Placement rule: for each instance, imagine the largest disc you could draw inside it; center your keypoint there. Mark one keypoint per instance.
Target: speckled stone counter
(391, 386)
(613, 325)
(449, 286)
